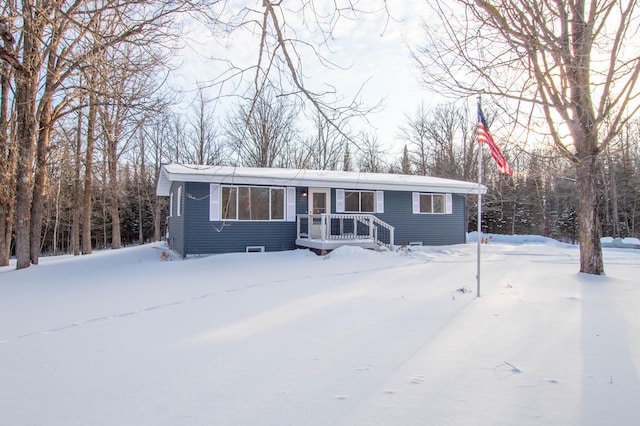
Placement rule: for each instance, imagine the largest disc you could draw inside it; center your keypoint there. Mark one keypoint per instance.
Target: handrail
(338, 226)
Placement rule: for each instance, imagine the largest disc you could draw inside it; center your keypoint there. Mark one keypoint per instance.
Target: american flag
(485, 137)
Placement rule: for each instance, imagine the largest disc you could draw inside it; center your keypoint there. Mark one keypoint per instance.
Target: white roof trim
(309, 178)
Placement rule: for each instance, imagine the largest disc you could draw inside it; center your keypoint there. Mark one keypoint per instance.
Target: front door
(319, 203)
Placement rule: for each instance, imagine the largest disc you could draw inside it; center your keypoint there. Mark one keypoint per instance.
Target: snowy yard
(354, 338)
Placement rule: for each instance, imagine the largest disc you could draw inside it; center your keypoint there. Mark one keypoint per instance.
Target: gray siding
(202, 236)
(193, 233)
(430, 229)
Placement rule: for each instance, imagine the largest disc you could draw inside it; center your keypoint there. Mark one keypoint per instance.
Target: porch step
(334, 244)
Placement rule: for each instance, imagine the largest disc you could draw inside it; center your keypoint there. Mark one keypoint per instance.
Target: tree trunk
(157, 220)
(7, 169)
(157, 204)
(77, 189)
(56, 222)
(591, 261)
(87, 204)
(26, 81)
(26, 132)
(40, 180)
(116, 241)
(615, 207)
(141, 184)
(6, 222)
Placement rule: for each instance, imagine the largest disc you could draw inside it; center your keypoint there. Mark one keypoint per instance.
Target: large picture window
(252, 203)
(359, 201)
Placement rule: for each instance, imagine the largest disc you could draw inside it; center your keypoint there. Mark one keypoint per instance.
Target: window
(432, 203)
(171, 204)
(252, 203)
(359, 201)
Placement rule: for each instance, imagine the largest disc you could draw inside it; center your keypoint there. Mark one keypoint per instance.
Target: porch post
(371, 228)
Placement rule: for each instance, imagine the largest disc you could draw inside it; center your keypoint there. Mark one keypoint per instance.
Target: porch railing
(332, 227)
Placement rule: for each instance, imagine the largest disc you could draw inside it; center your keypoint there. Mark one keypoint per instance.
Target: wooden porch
(330, 231)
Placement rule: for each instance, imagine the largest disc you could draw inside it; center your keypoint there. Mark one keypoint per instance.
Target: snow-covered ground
(353, 338)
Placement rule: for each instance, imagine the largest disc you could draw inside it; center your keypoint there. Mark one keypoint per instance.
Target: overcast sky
(374, 48)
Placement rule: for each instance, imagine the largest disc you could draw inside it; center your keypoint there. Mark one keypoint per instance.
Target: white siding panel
(291, 204)
(379, 201)
(179, 202)
(339, 200)
(416, 202)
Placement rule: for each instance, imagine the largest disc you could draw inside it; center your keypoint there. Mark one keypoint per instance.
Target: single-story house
(220, 209)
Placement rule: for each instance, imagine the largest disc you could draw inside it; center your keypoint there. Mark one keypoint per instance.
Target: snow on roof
(310, 178)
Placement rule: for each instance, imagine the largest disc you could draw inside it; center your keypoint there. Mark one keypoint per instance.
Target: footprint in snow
(418, 380)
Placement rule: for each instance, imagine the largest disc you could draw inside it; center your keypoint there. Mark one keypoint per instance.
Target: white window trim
(448, 203)
(171, 204)
(285, 203)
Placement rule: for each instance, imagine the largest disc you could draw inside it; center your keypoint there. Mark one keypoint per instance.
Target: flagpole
(479, 212)
(485, 137)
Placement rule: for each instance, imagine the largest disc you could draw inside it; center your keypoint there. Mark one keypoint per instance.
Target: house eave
(309, 178)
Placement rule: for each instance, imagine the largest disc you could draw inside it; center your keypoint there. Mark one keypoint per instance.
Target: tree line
(433, 140)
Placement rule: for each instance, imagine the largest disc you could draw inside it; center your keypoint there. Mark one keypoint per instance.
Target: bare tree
(370, 154)
(260, 131)
(204, 147)
(173, 139)
(414, 132)
(325, 147)
(441, 138)
(569, 60)
(284, 34)
(347, 165)
(161, 131)
(405, 162)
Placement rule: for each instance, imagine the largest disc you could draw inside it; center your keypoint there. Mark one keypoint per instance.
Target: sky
(375, 49)
(356, 337)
